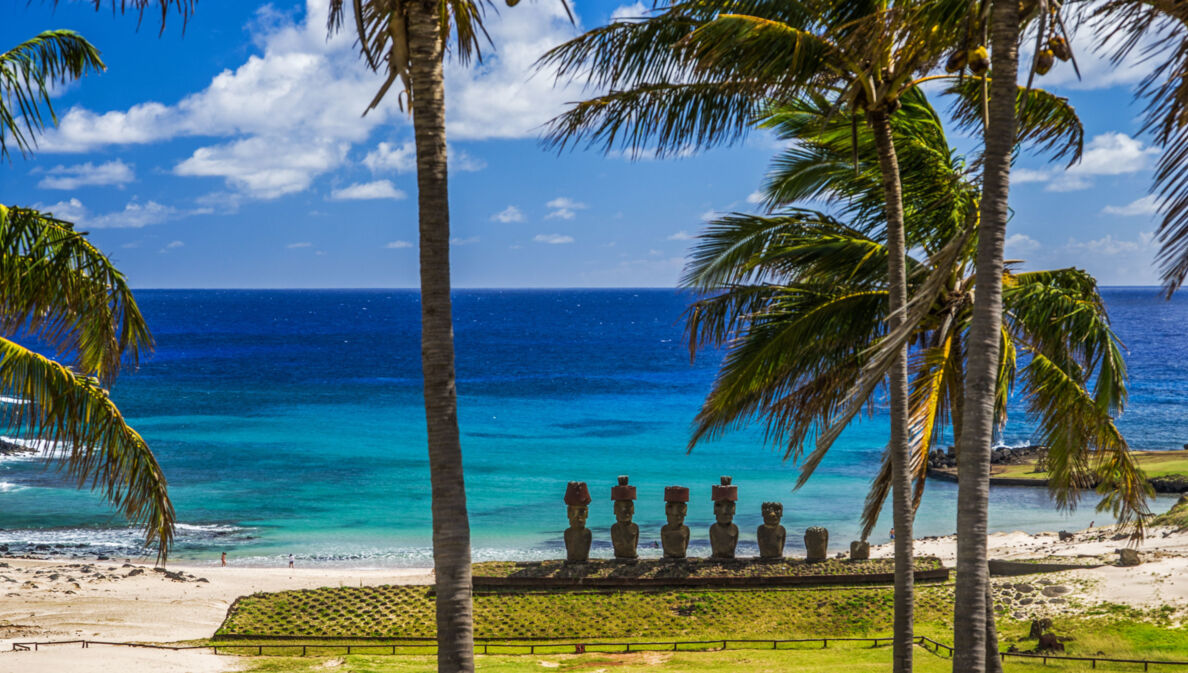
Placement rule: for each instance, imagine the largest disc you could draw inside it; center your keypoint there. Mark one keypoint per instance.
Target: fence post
(260, 650)
(348, 649)
(824, 643)
(303, 650)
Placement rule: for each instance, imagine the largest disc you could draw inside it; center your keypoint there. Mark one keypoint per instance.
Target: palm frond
(61, 289)
(1047, 124)
(83, 429)
(28, 72)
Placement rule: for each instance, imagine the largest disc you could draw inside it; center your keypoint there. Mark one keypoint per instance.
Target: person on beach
(290, 560)
(224, 559)
(892, 533)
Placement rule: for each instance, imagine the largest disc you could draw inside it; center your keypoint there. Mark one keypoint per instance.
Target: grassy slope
(1154, 464)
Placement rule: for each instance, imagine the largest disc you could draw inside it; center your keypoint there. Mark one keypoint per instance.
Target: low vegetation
(693, 568)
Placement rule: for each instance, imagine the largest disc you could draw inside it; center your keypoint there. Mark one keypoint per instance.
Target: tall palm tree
(696, 73)
(407, 39)
(799, 299)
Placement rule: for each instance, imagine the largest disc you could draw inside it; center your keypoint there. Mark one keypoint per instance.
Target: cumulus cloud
(81, 175)
(134, 215)
(290, 112)
(379, 189)
(391, 157)
(553, 239)
(1109, 246)
(564, 208)
(758, 197)
(1110, 153)
(509, 214)
(1020, 245)
(1148, 205)
(681, 235)
(398, 245)
(464, 241)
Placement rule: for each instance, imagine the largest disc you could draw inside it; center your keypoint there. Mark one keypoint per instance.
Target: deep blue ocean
(292, 422)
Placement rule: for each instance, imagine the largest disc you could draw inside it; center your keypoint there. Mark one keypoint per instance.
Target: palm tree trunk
(970, 633)
(451, 529)
(901, 471)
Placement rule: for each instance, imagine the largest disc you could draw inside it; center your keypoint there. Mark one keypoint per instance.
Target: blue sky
(235, 156)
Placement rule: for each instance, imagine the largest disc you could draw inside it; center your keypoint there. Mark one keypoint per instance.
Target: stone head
(578, 515)
(724, 511)
(676, 511)
(772, 513)
(624, 510)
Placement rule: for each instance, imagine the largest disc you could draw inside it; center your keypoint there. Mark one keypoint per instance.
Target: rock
(1026, 600)
(1065, 536)
(1048, 642)
(1039, 627)
(1129, 557)
(202, 579)
(860, 550)
(1024, 588)
(1057, 590)
(135, 571)
(816, 544)
(102, 558)
(1172, 483)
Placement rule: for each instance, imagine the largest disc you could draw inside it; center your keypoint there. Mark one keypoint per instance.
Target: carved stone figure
(771, 534)
(859, 550)
(816, 541)
(674, 536)
(624, 533)
(577, 536)
(724, 533)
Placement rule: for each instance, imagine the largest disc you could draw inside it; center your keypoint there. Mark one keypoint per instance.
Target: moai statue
(724, 533)
(624, 533)
(816, 542)
(859, 550)
(674, 536)
(577, 536)
(771, 534)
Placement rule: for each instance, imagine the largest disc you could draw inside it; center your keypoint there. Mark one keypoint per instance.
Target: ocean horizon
(290, 421)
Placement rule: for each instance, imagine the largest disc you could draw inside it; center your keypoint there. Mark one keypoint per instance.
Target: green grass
(1153, 463)
(1177, 516)
(850, 659)
(401, 611)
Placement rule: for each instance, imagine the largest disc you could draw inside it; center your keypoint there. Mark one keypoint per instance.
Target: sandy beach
(106, 600)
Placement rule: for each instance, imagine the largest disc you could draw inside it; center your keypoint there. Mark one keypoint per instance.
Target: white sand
(72, 599)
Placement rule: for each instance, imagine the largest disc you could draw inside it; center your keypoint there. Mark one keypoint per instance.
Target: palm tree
(60, 290)
(407, 40)
(696, 74)
(799, 299)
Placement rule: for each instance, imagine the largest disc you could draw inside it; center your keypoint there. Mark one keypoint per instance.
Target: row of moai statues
(674, 536)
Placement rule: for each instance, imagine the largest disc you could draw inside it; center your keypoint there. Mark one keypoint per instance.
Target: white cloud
(1020, 245)
(134, 215)
(291, 111)
(1148, 205)
(635, 10)
(682, 235)
(380, 189)
(552, 239)
(1110, 246)
(758, 197)
(464, 241)
(398, 245)
(509, 214)
(564, 208)
(1093, 49)
(710, 215)
(303, 244)
(461, 161)
(1109, 153)
(1023, 175)
(172, 245)
(1113, 154)
(79, 175)
(390, 157)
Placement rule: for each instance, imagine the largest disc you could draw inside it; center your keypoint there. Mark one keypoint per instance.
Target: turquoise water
(291, 422)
